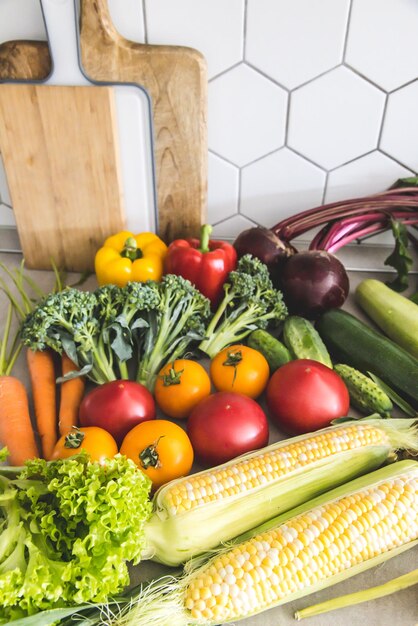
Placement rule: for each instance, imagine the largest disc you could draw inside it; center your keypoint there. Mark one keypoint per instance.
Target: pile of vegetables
(133, 346)
(151, 323)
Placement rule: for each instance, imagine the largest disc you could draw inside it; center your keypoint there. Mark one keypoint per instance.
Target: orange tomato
(97, 442)
(180, 386)
(161, 449)
(241, 369)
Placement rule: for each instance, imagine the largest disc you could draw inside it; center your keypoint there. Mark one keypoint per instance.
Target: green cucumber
(304, 341)
(394, 314)
(353, 342)
(364, 393)
(271, 348)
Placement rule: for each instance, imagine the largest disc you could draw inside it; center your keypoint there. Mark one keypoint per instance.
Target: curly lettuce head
(82, 522)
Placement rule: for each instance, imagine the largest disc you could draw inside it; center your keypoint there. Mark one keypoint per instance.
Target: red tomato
(117, 407)
(305, 395)
(226, 424)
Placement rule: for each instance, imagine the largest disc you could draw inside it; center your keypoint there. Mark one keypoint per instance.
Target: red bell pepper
(205, 262)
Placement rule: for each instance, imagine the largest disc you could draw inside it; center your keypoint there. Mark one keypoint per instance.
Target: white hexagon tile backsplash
(310, 101)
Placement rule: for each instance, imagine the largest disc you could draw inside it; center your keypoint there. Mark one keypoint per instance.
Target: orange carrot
(16, 430)
(72, 392)
(42, 376)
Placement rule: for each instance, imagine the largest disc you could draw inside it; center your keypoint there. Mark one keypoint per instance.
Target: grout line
(382, 121)
(225, 71)
(356, 158)
(347, 30)
(223, 158)
(398, 161)
(244, 32)
(365, 78)
(410, 82)
(324, 191)
(307, 158)
(288, 109)
(267, 76)
(314, 78)
(239, 199)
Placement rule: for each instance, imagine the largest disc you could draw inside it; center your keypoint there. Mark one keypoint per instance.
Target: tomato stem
(233, 359)
(74, 439)
(172, 378)
(149, 455)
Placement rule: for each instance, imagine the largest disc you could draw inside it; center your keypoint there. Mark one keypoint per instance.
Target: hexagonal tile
(231, 227)
(214, 27)
(247, 115)
(4, 188)
(335, 118)
(283, 37)
(279, 185)
(223, 189)
(400, 126)
(6, 216)
(128, 18)
(369, 174)
(21, 19)
(382, 42)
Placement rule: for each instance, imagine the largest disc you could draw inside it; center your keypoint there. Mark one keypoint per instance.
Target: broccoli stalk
(67, 321)
(179, 320)
(250, 302)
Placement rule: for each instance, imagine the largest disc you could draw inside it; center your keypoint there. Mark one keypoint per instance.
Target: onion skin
(263, 244)
(314, 282)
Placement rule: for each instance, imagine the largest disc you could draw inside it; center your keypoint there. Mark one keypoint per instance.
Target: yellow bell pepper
(125, 257)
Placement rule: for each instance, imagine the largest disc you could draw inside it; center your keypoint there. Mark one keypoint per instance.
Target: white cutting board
(133, 108)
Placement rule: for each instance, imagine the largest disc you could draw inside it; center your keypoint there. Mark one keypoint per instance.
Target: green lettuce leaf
(78, 524)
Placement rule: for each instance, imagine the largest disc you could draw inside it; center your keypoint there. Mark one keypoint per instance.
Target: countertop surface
(400, 608)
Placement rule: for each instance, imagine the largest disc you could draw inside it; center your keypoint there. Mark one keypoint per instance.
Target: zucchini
(303, 340)
(394, 314)
(365, 394)
(271, 348)
(351, 341)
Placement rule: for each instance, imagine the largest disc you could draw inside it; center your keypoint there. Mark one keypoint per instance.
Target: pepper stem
(131, 250)
(205, 233)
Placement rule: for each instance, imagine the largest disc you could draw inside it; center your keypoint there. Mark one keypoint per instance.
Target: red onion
(266, 246)
(313, 282)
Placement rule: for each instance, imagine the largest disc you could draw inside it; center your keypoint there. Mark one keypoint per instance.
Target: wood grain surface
(24, 60)
(60, 151)
(176, 79)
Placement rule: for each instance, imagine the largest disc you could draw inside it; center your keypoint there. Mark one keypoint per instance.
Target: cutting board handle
(61, 26)
(95, 18)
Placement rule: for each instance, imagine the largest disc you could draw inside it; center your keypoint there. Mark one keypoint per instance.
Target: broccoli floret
(179, 319)
(68, 321)
(250, 302)
(122, 313)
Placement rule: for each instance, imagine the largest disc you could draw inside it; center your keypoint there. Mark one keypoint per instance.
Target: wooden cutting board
(60, 151)
(176, 80)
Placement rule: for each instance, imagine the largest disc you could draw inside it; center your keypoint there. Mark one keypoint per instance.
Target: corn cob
(322, 542)
(194, 514)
